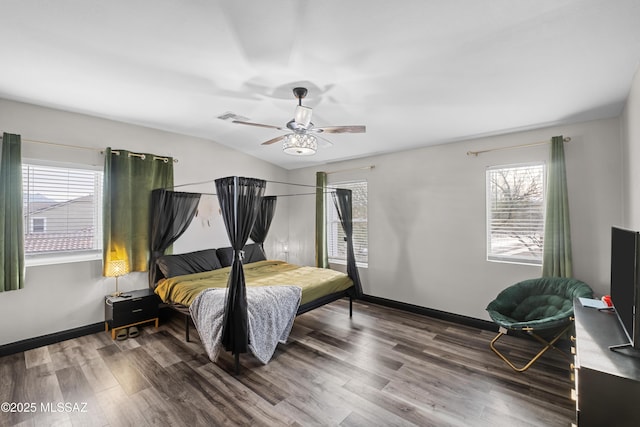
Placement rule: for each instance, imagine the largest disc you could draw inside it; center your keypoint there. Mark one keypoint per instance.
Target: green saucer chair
(542, 308)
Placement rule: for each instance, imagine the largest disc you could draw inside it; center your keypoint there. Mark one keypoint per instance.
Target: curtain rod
(268, 195)
(533, 144)
(80, 147)
(352, 169)
(142, 156)
(57, 144)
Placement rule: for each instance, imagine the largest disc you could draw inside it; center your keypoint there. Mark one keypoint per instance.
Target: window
(515, 213)
(62, 210)
(38, 225)
(337, 247)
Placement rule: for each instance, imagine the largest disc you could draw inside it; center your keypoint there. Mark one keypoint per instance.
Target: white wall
(426, 207)
(427, 243)
(65, 296)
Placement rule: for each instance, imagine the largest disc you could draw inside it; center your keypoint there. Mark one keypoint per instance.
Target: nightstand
(130, 309)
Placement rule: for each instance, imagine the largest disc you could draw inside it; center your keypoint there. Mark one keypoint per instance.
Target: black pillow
(192, 262)
(252, 253)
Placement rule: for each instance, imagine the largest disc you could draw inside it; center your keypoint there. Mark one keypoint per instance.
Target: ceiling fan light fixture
(298, 144)
(301, 141)
(303, 116)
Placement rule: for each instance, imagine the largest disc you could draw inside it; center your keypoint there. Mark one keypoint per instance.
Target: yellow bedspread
(315, 282)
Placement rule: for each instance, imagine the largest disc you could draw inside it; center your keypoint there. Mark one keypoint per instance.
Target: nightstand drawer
(134, 311)
(147, 304)
(141, 305)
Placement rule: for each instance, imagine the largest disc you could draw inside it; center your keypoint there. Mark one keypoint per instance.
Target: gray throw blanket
(271, 311)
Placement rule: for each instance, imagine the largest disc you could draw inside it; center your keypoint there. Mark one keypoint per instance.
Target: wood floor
(383, 367)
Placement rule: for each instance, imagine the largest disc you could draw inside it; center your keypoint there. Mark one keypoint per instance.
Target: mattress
(315, 282)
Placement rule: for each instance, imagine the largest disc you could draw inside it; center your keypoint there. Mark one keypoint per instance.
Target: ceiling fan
(302, 139)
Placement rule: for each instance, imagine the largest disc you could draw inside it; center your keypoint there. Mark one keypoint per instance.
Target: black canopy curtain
(171, 214)
(343, 202)
(239, 200)
(263, 221)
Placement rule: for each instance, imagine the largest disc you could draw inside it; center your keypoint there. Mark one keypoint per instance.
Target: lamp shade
(117, 268)
(300, 144)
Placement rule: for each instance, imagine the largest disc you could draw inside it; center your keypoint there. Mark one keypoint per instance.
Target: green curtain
(129, 179)
(556, 252)
(322, 257)
(11, 219)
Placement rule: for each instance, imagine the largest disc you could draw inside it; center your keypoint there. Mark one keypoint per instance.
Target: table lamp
(116, 268)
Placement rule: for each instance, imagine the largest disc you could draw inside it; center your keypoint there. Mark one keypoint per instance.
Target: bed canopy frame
(246, 212)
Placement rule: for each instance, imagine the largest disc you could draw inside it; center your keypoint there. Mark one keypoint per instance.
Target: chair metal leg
(547, 346)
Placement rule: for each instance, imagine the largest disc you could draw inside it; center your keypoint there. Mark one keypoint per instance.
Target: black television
(625, 292)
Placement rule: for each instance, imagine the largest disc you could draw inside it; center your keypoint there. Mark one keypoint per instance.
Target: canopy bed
(213, 286)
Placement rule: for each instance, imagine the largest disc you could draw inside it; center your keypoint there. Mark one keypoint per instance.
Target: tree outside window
(515, 213)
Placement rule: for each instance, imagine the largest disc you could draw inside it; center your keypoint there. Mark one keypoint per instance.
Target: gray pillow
(192, 262)
(252, 253)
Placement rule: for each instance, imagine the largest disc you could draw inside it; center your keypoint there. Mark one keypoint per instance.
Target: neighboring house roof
(54, 242)
(37, 205)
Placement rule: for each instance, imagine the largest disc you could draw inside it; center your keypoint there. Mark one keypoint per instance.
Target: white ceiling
(415, 72)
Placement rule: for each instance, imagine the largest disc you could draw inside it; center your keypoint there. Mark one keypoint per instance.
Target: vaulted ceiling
(415, 72)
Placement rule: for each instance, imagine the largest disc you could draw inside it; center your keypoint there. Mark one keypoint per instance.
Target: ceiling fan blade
(324, 141)
(274, 140)
(240, 122)
(340, 129)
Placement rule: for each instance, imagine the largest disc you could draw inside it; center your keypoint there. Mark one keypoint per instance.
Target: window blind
(337, 247)
(515, 213)
(61, 209)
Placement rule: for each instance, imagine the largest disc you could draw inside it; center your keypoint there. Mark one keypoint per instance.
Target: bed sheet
(315, 282)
